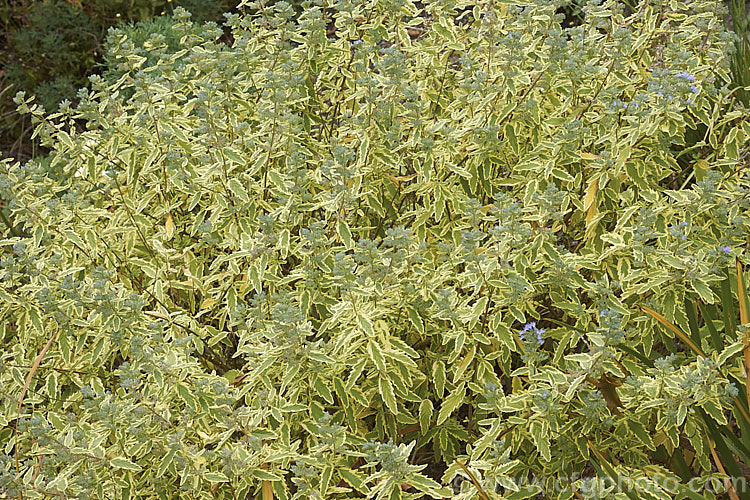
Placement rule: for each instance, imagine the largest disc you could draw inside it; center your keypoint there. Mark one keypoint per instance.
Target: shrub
(55, 45)
(407, 255)
(50, 47)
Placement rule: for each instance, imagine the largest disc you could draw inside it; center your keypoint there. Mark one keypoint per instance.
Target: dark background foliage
(49, 48)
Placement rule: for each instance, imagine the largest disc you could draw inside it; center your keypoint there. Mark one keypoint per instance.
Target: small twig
(33, 370)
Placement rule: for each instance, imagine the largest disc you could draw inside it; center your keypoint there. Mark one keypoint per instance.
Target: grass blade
(744, 309)
(599, 462)
(707, 314)
(33, 370)
(664, 321)
(727, 306)
(717, 461)
(692, 315)
(474, 481)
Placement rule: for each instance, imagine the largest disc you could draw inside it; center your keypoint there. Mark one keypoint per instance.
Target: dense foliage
(740, 59)
(421, 253)
(50, 47)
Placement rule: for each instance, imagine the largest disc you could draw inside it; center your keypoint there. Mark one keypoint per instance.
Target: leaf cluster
(410, 252)
(50, 47)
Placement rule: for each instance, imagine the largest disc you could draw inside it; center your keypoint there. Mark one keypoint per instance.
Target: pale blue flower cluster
(687, 76)
(531, 328)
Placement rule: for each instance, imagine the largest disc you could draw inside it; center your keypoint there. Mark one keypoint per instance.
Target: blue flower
(529, 327)
(687, 76)
(726, 250)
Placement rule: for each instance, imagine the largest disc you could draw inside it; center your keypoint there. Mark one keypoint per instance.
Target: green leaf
(639, 431)
(365, 324)
(438, 378)
(356, 371)
(59, 483)
(464, 364)
(716, 340)
(401, 359)
(661, 319)
(425, 415)
(373, 351)
(215, 477)
(415, 319)
(166, 462)
(238, 190)
(604, 470)
(703, 290)
(386, 392)
(65, 139)
(52, 386)
(323, 390)
(477, 309)
(355, 479)
(36, 320)
(510, 136)
(456, 169)
(186, 396)
(453, 401)
(403, 347)
(284, 242)
(345, 233)
(124, 463)
(277, 179)
(540, 433)
(730, 351)
(727, 306)
(259, 163)
(422, 483)
(562, 175)
(234, 156)
(507, 110)
(524, 492)
(713, 409)
(325, 478)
